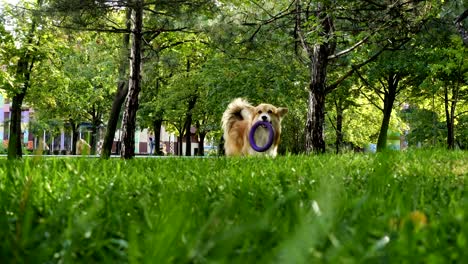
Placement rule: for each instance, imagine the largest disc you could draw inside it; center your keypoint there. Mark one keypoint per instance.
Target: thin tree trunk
(201, 139)
(131, 106)
(339, 126)
(452, 114)
(180, 145)
(188, 125)
(92, 140)
(188, 120)
(450, 117)
(389, 99)
(382, 139)
(188, 141)
(119, 99)
(201, 143)
(221, 150)
(157, 124)
(74, 136)
(96, 121)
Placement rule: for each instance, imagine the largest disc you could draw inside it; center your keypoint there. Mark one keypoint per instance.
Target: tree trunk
(221, 150)
(188, 141)
(201, 139)
(314, 127)
(387, 113)
(180, 130)
(450, 116)
(339, 125)
(316, 103)
(92, 140)
(389, 99)
(96, 121)
(122, 90)
(14, 142)
(180, 145)
(318, 55)
(188, 125)
(131, 106)
(74, 136)
(201, 143)
(157, 124)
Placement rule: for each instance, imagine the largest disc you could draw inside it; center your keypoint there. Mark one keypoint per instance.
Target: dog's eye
(269, 111)
(259, 111)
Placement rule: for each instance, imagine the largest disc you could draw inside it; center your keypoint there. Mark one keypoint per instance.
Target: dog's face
(268, 113)
(273, 115)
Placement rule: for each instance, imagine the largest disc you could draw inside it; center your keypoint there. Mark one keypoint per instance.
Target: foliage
(445, 88)
(425, 128)
(390, 207)
(25, 33)
(360, 126)
(461, 134)
(247, 49)
(292, 131)
(82, 74)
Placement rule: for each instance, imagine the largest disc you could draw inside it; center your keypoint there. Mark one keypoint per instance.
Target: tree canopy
(350, 72)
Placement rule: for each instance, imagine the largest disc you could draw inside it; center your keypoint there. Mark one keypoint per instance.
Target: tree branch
(358, 44)
(385, 89)
(346, 51)
(298, 29)
(461, 113)
(331, 122)
(108, 30)
(272, 19)
(171, 45)
(161, 30)
(353, 69)
(371, 87)
(157, 13)
(372, 101)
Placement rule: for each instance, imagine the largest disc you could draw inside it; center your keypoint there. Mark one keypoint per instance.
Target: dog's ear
(282, 111)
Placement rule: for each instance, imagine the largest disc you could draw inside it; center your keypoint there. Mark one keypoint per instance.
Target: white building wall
(166, 136)
(194, 146)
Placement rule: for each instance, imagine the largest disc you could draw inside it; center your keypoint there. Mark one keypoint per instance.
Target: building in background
(60, 142)
(26, 137)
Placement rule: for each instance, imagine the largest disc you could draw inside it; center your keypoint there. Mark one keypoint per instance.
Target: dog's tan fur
(237, 120)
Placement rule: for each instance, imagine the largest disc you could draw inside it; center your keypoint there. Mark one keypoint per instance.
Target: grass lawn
(409, 207)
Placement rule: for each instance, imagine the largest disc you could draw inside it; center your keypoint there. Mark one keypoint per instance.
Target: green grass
(388, 208)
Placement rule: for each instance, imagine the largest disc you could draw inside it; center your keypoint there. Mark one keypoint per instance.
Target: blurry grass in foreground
(394, 207)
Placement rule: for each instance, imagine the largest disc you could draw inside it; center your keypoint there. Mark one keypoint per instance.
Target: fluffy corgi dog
(237, 120)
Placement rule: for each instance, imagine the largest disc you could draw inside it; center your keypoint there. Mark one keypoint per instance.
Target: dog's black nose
(264, 118)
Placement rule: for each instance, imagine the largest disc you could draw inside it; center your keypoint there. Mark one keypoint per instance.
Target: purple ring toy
(270, 136)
